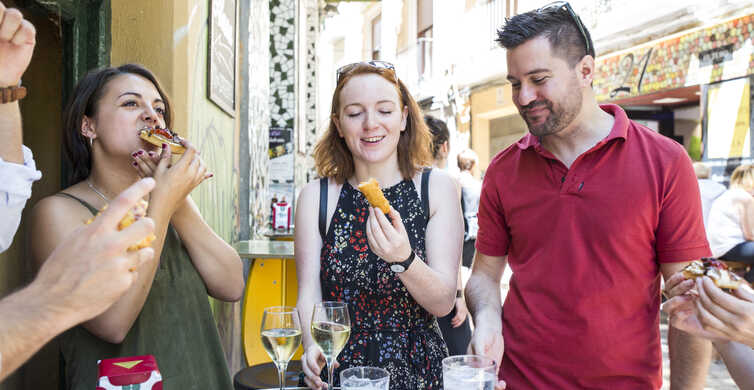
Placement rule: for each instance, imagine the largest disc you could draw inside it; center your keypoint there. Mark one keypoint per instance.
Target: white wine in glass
(331, 327)
(281, 336)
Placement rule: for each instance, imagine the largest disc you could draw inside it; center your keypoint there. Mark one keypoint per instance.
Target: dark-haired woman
(166, 313)
(396, 272)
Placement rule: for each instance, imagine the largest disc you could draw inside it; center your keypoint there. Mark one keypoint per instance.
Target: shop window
(424, 24)
(376, 37)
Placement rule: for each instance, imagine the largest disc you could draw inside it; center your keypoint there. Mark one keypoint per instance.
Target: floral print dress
(389, 329)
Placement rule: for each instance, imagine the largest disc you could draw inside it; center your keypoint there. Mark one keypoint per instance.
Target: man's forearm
(689, 360)
(10, 133)
(483, 299)
(28, 320)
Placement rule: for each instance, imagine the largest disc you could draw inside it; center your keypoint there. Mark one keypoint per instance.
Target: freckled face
(371, 118)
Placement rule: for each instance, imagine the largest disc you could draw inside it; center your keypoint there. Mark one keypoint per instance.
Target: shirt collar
(619, 130)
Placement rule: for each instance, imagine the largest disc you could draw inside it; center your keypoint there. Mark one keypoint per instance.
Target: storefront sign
(221, 61)
(727, 120)
(701, 56)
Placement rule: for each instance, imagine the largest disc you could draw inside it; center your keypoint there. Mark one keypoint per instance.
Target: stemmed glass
(281, 336)
(331, 327)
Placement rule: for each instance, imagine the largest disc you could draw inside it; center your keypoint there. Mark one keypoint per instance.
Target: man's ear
(586, 69)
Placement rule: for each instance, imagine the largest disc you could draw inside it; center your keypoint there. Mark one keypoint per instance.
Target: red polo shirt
(585, 245)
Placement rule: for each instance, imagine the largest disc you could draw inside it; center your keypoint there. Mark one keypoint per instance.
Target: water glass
(468, 372)
(364, 378)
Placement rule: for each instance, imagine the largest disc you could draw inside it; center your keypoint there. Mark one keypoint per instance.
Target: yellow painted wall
(170, 38)
(487, 105)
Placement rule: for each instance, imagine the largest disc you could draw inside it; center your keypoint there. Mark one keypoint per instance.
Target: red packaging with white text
(133, 372)
(281, 215)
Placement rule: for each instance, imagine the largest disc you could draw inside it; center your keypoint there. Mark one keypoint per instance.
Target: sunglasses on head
(343, 70)
(557, 6)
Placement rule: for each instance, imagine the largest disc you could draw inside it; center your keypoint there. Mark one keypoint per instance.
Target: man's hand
(488, 341)
(17, 40)
(91, 269)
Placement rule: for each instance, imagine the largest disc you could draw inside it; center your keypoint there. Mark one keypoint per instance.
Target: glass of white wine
(331, 327)
(281, 336)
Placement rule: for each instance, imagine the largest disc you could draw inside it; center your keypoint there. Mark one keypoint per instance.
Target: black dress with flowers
(389, 329)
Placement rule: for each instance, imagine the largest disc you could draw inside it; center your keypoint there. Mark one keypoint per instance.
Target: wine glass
(331, 327)
(281, 336)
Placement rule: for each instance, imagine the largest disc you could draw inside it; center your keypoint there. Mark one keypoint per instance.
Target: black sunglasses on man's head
(556, 6)
(375, 63)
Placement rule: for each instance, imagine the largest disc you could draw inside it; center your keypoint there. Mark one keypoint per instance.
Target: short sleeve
(493, 237)
(680, 234)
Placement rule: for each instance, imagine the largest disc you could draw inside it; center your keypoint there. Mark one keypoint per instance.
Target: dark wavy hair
(556, 25)
(332, 158)
(440, 133)
(84, 102)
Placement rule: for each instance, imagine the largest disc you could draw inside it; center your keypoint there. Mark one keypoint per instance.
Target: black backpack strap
(463, 213)
(425, 192)
(323, 207)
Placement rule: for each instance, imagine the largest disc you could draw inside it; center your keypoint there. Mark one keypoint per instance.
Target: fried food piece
(715, 270)
(157, 136)
(139, 210)
(373, 193)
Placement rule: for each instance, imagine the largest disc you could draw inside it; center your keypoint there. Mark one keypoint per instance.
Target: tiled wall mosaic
(308, 69)
(702, 56)
(282, 66)
(259, 113)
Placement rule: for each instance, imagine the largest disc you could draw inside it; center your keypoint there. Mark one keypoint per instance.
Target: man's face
(546, 91)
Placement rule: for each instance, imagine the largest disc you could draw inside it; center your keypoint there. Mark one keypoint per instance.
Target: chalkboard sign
(221, 74)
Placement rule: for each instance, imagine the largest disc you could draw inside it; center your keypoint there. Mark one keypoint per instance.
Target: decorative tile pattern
(675, 62)
(308, 70)
(259, 114)
(282, 63)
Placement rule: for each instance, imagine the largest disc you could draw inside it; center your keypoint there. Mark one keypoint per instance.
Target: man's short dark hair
(440, 133)
(556, 25)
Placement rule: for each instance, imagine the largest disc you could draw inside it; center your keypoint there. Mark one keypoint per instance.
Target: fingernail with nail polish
(164, 146)
(135, 164)
(134, 154)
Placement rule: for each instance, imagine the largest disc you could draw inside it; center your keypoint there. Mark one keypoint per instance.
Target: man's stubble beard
(560, 116)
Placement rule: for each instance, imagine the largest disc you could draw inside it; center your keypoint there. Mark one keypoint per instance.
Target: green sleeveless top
(175, 325)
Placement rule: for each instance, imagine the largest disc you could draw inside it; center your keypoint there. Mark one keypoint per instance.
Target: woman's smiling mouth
(373, 140)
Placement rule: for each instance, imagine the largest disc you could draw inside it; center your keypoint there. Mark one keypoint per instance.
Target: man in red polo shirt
(589, 210)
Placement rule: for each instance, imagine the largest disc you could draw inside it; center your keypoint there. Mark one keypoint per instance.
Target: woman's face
(129, 104)
(371, 118)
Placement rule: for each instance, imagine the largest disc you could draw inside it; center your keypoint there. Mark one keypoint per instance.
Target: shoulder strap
(463, 213)
(425, 192)
(323, 207)
(89, 207)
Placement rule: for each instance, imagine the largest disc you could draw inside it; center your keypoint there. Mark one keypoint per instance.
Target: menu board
(281, 155)
(221, 74)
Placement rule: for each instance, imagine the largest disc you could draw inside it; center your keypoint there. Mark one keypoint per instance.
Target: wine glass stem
(330, 369)
(282, 366)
